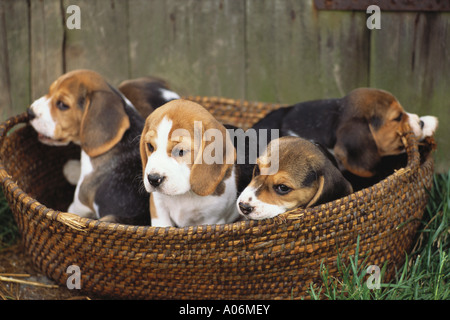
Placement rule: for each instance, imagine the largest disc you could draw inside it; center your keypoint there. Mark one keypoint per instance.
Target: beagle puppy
(147, 93)
(306, 177)
(81, 107)
(359, 129)
(188, 166)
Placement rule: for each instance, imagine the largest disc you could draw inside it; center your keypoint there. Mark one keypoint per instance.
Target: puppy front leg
(80, 209)
(160, 215)
(72, 171)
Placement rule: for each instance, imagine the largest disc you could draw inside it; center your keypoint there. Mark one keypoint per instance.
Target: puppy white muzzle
(424, 126)
(42, 121)
(251, 207)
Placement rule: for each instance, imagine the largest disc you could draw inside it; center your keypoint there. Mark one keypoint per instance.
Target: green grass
(425, 275)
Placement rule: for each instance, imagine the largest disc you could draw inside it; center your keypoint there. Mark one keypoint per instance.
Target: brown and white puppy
(81, 107)
(188, 166)
(360, 129)
(306, 177)
(147, 93)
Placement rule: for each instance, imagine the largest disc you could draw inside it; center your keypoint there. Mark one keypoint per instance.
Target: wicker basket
(269, 259)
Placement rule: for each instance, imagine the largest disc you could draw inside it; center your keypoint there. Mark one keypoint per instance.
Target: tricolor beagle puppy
(306, 177)
(360, 129)
(81, 107)
(188, 166)
(147, 93)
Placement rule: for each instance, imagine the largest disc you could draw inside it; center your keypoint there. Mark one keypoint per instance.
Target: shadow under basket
(275, 258)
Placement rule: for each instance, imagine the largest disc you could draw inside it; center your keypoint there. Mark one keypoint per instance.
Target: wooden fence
(265, 50)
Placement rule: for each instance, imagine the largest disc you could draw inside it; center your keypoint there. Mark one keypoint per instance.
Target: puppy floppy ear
(356, 149)
(205, 178)
(332, 186)
(142, 150)
(104, 123)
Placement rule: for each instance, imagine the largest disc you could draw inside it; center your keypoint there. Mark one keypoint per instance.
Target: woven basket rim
(85, 224)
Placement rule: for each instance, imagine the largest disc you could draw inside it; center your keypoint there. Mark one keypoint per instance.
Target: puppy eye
(62, 106)
(177, 152)
(281, 189)
(150, 147)
(256, 171)
(399, 118)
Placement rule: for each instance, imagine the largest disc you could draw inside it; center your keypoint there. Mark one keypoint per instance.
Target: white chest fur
(77, 206)
(190, 209)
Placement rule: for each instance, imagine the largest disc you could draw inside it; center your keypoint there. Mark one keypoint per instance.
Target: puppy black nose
(31, 114)
(155, 179)
(245, 208)
(421, 124)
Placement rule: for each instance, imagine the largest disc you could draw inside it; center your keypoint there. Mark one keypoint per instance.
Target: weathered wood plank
(102, 42)
(411, 5)
(197, 45)
(5, 81)
(14, 57)
(296, 53)
(410, 57)
(343, 52)
(47, 40)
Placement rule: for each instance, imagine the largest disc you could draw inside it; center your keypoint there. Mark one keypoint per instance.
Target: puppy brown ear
(332, 186)
(205, 178)
(104, 123)
(355, 148)
(142, 149)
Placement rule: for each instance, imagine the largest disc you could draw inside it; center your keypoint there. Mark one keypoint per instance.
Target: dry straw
(270, 259)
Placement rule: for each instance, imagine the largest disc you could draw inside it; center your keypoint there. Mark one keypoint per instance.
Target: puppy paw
(109, 218)
(72, 170)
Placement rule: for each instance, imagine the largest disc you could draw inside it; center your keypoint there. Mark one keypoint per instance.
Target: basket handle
(8, 125)
(410, 142)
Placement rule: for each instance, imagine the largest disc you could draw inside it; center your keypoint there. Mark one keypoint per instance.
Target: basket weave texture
(270, 259)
